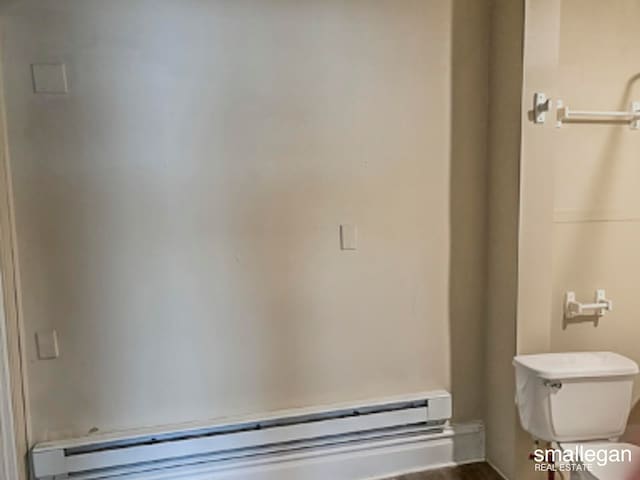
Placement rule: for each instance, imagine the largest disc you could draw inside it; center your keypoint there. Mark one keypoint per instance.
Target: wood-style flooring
(473, 471)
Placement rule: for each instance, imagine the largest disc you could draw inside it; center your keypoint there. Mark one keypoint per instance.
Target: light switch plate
(47, 343)
(49, 78)
(348, 237)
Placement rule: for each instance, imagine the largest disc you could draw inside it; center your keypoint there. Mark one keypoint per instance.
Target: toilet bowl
(580, 403)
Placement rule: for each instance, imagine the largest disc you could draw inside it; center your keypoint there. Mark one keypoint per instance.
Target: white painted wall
(177, 213)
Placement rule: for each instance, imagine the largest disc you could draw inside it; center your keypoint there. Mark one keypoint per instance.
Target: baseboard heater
(118, 455)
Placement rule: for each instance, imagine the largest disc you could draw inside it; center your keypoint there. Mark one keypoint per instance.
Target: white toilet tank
(578, 396)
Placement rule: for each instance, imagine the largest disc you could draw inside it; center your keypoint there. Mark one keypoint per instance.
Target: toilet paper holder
(573, 308)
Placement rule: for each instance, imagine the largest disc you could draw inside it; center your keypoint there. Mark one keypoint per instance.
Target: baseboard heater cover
(114, 456)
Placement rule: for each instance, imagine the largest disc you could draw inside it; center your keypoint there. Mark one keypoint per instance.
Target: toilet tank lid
(577, 364)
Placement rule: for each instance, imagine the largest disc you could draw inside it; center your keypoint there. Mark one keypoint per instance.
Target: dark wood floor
(473, 471)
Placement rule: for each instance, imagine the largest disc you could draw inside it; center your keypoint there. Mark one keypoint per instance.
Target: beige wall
(507, 18)
(177, 213)
(596, 177)
(468, 204)
(587, 194)
(542, 19)
(579, 201)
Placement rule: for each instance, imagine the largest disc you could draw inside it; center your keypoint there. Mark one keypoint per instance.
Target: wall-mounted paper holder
(573, 308)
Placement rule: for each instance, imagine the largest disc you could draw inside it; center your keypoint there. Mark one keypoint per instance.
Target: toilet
(580, 402)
